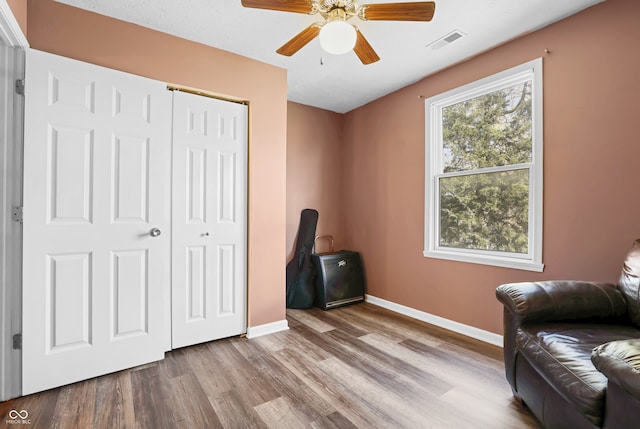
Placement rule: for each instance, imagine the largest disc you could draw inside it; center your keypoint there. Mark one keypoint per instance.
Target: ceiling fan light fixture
(337, 37)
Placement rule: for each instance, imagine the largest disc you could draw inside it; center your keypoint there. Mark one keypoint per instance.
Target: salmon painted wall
(78, 34)
(314, 173)
(19, 10)
(591, 155)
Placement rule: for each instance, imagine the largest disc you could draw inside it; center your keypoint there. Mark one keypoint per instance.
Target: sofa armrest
(619, 361)
(561, 300)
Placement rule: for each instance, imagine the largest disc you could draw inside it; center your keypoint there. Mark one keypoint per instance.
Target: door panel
(196, 282)
(130, 173)
(225, 281)
(68, 306)
(97, 157)
(70, 166)
(197, 185)
(129, 293)
(209, 219)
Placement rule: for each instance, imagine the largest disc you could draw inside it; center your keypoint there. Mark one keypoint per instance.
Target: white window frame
(531, 261)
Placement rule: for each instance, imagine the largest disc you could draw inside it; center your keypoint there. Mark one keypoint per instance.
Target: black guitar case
(300, 272)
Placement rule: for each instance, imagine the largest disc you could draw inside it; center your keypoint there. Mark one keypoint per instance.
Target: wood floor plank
(307, 318)
(234, 411)
(450, 369)
(338, 321)
(382, 365)
(176, 363)
(151, 400)
(6, 407)
(316, 379)
(281, 413)
(40, 406)
(390, 408)
(459, 362)
(286, 382)
(480, 406)
(202, 363)
(75, 407)
(359, 366)
(114, 402)
(293, 342)
(376, 365)
(230, 363)
(333, 421)
(191, 408)
(392, 325)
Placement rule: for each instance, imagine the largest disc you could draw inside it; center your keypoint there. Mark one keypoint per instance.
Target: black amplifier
(339, 278)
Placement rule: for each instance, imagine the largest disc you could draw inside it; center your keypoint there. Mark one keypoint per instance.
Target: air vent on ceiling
(447, 39)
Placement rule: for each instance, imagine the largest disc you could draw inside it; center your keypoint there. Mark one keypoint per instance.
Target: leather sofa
(572, 349)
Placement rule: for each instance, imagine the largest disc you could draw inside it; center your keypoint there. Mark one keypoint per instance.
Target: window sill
(496, 261)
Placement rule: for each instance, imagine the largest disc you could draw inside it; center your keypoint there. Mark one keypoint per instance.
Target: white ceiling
(340, 82)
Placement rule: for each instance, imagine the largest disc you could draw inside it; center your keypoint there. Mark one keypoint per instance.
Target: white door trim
(10, 31)
(12, 46)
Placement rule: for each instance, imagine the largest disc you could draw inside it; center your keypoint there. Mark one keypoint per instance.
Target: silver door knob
(155, 232)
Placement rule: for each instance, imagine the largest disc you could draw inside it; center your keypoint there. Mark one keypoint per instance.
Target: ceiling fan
(337, 36)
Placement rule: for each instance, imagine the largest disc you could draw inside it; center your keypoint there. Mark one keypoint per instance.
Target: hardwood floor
(353, 367)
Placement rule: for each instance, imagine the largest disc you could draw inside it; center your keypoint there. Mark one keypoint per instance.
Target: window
(483, 201)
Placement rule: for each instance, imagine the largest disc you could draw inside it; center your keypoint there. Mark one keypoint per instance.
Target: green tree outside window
(487, 211)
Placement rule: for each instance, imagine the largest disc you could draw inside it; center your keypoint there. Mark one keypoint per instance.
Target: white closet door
(209, 219)
(97, 171)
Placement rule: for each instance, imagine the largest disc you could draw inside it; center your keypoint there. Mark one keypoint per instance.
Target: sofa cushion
(629, 283)
(561, 353)
(619, 361)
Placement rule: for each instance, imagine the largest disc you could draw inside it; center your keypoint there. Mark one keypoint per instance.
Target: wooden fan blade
(298, 6)
(300, 40)
(417, 11)
(363, 50)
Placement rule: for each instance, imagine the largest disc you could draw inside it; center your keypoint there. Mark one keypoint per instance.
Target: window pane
(491, 130)
(488, 211)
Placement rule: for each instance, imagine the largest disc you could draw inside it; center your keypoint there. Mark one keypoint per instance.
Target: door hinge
(17, 342)
(20, 86)
(16, 214)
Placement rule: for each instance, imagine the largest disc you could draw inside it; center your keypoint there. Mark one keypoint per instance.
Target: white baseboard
(266, 329)
(460, 328)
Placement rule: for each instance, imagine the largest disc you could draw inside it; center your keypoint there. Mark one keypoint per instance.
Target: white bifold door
(209, 219)
(134, 231)
(96, 221)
